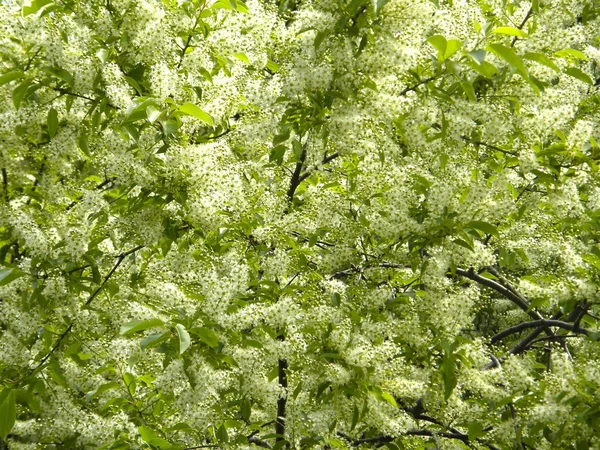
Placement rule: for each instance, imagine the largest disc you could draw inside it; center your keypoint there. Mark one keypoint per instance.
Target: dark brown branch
(295, 182)
(282, 401)
(98, 187)
(190, 36)
(538, 323)
(325, 160)
(514, 297)
(415, 86)
(490, 146)
(520, 27)
(74, 94)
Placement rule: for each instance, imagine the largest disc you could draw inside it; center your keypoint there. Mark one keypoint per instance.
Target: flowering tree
(299, 224)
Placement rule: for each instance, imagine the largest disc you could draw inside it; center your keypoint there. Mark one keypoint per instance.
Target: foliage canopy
(299, 224)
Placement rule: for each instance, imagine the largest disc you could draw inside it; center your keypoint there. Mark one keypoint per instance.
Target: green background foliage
(299, 224)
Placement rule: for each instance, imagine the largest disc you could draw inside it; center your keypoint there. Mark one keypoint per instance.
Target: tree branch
(325, 160)
(538, 323)
(415, 86)
(120, 259)
(295, 182)
(507, 292)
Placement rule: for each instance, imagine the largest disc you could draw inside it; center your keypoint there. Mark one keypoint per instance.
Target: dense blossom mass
(299, 224)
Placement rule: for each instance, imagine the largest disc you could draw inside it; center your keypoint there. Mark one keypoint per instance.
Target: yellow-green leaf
(542, 59)
(569, 53)
(580, 75)
(511, 31)
(10, 76)
(508, 55)
(140, 325)
(192, 110)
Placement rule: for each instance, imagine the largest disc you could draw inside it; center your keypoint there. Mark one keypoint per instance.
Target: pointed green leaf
(19, 93)
(8, 412)
(452, 46)
(153, 113)
(477, 55)
(10, 76)
(140, 325)
(242, 57)
(569, 53)
(355, 416)
(206, 335)
(580, 75)
(475, 430)
(469, 91)
(542, 59)
(52, 122)
(511, 31)
(8, 275)
(246, 409)
(184, 338)
(439, 43)
(508, 55)
(487, 228)
(389, 398)
(378, 5)
(194, 111)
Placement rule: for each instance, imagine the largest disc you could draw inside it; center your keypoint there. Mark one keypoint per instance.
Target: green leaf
(477, 55)
(389, 398)
(206, 335)
(378, 5)
(19, 93)
(83, 144)
(134, 84)
(439, 43)
(511, 31)
(147, 433)
(355, 416)
(280, 444)
(580, 75)
(452, 47)
(153, 113)
(102, 388)
(8, 275)
(10, 76)
(242, 57)
(192, 110)
(464, 244)
(542, 59)
(140, 325)
(445, 48)
(52, 122)
(184, 338)
(475, 430)
(569, 53)
(486, 227)
(277, 154)
(319, 38)
(153, 340)
(222, 435)
(469, 91)
(8, 412)
(246, 409)
(508, 55)
(449, 376)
